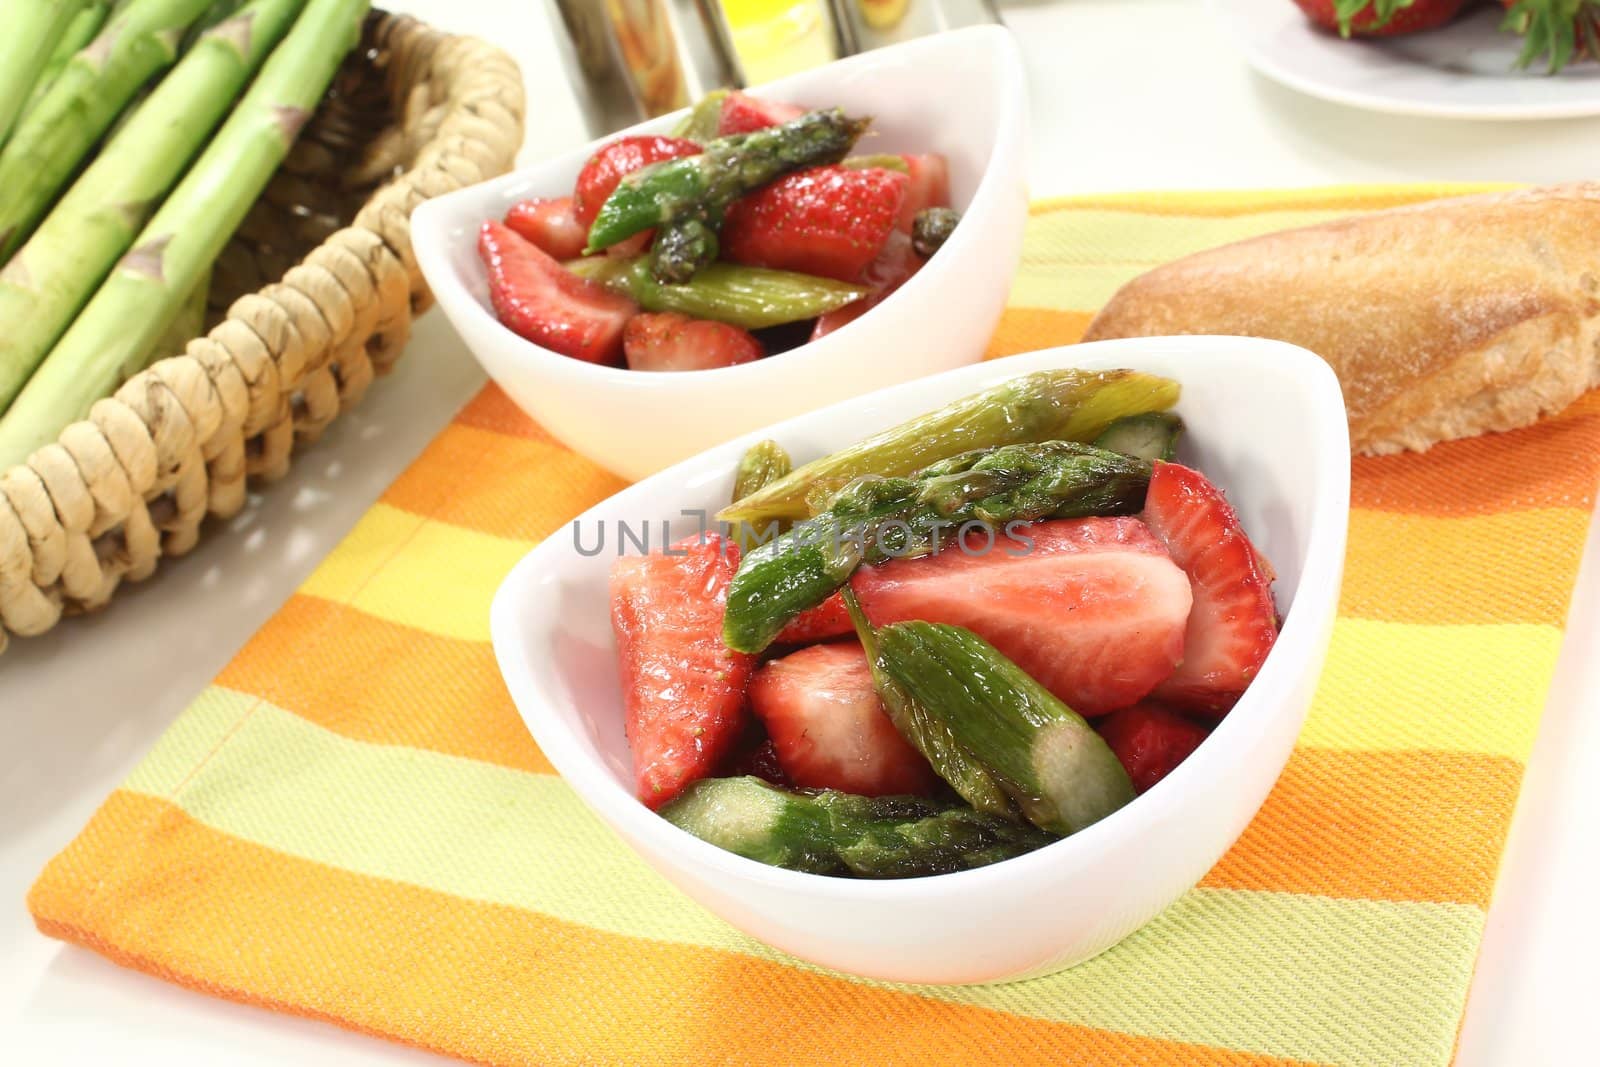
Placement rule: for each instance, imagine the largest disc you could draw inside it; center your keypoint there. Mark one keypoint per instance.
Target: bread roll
(1442, 320)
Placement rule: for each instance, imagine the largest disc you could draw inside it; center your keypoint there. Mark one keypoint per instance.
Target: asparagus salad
(752, 229)
(949, 644)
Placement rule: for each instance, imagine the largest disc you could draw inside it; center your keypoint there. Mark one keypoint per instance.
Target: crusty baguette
(1442, 320)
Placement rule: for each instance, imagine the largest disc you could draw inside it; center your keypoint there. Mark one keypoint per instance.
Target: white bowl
(959, 93)
(1266, 422)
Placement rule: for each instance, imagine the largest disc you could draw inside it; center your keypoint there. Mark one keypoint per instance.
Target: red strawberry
(829, 728)
(742, 113)
(831, 221)
(828, 619)
(897, 262)
(670, 341)
(929, 186)
(1559, 29)
(551, 225)
(1233, 623)
(629, 247)
(538, 298)
(683, 689)
(1380, 18)
(1150, 741)
(1092, 608)
(623, 156)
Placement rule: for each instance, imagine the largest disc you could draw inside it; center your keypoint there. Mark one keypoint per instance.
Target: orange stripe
(379, 681)
(1024, 329)
(511, 486)
(1416, 568)
(1554, 463)
(217, 914)
(1418, 826)
(1188, 207)
(493, 410)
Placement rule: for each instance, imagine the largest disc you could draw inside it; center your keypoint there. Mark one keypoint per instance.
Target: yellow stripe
(417, 572)
(1274, 973)
(1205, 202)
(1394, 685)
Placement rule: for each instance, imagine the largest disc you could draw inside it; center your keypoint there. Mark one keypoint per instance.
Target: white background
(1127, 94)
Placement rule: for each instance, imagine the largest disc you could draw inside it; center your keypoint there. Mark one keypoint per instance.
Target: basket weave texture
(310, 301)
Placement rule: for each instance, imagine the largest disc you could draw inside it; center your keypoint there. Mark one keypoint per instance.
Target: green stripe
(1335, 981)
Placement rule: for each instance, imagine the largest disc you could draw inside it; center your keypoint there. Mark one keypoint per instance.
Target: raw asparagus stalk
(189, 324)
(1055, 767)
(1073, 405)
(931, 228)
(85, 99)
(879, 161)
(146, 289)
(727, 169)
(926, 733)
(701, 123)
(1152, 436)
(79, 32)
(29, 33)
(751, 297)
(55, 273)
(876, 518)
(828, 832)
(682, 248)
(764, 462)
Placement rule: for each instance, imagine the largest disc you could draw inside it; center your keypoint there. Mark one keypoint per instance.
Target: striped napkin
(352, 823)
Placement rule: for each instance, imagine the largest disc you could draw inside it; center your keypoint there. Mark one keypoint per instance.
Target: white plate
(1463, 71)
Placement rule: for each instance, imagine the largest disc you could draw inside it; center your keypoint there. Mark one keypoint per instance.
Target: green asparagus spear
(1052, 763)
(931, 228)
(1152, 435)
(189, 324)
(684, 247)
(880, 161)
(751, 297)
(702, 121)
(1074, 405)
(727, 169)
(926, 733)
(828, 832)
(876, 518)
(55, 273)
(79, 32)
(764, 462)
(86, 98)
(147, 288)
(29, 33)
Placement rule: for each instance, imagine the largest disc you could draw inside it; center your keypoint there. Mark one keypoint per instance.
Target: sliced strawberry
(831, 221)
(929, 177)
(550, 224)
(623, 156)
(629, 247)
(1150, 741)
(828, 727)
(742, 113)
(1233, 624)
(897, 262)
(670, 341)
(1092, 608)
(682, 687)
(538, 298)
(828, 619)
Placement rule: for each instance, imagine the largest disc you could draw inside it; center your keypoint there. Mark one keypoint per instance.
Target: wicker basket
(311, 300)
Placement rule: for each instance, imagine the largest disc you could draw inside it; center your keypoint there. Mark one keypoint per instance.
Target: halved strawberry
(1233, 624)
(550, 224)
(538, 298)
(828, 619)
(623, 156)
(742, 113)
(1092, 608)
(1150, 740)
(670, 341)
(897, 262)
(683, 688)
(831, 221)
(929, 177)
(828, 727)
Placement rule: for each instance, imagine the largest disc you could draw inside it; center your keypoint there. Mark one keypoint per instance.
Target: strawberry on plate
(538, 298)
(828, 619)
(832, 221)
(828, 727)
(1233, 624)
(683, 689)
(1380, 18)
(618, 158)
(551, 224)
(897, 262)
(743, 113)
(1093, 609)
(670, 341)
(928, 177)
(1150, 740)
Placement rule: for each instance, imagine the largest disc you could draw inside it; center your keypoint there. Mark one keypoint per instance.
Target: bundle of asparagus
(99, 269)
